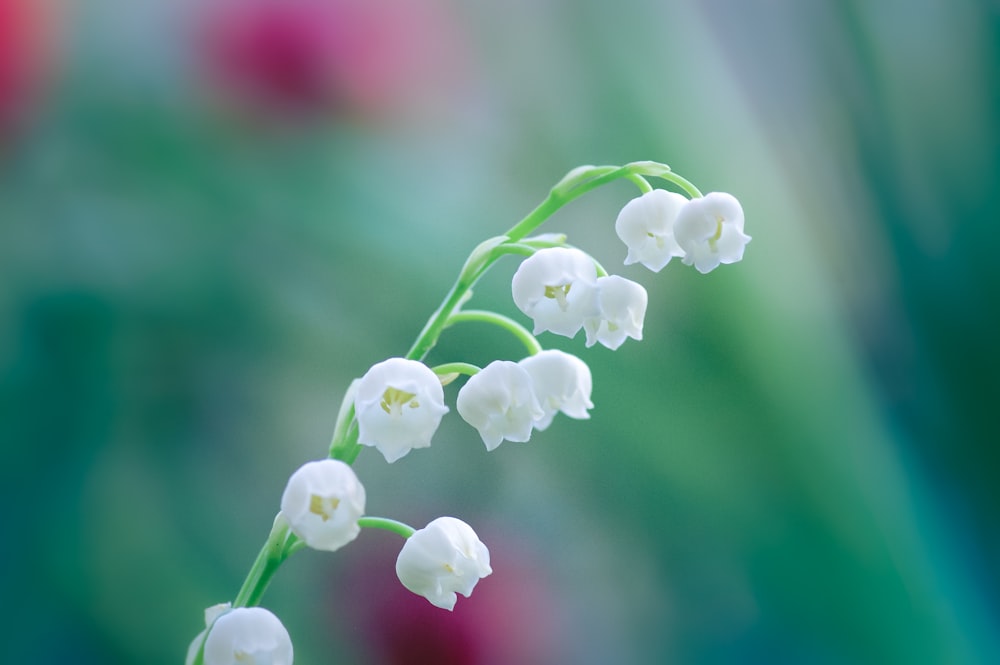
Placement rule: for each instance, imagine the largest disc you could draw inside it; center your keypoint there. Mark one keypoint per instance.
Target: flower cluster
(560, 290)
(399, 403)
(704, 232)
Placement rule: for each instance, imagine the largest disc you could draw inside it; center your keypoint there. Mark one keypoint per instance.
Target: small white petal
(622, 311)
(322, 503)
(562, 383)
(444, 558)
(710, 231)
(248, 635)
(646, 226)
(554, 287)
(399, 406)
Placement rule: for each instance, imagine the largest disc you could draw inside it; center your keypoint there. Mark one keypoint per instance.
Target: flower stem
(455, 369)
(386, 524)
(344, 443)
(270, 557)
(505, 322)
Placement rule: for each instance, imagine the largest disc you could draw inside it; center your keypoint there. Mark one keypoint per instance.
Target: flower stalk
(398, 404)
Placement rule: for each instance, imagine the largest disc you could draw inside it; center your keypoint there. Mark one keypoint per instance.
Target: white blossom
(562, 382)
(444, 558)
(710, 231)
(622, 308)
(322, 503)
(399, 406)
(646, 226)
(243, 636)
(555, 287)
(500, 402)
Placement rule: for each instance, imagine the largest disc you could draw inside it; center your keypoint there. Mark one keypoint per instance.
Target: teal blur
(796, 465)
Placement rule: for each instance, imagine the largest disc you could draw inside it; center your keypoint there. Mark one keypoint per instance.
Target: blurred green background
(214, 214)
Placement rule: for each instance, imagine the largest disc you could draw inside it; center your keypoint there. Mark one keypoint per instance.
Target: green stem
(386, 524)
(505, 322)
(641, 183)
(270, 557)
(456, 368)
(344, 443)
(683, 183)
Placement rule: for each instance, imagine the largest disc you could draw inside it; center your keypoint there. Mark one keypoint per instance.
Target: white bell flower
(622, 308)
(399, 405)
(710, 231)
(245, 636)
(500, 402)
(555, 287)
(322, 503)
(444, 558)
(646, 226)
(562, 383)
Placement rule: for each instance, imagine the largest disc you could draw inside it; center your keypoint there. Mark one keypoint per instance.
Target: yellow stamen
(393, 400)
(559, 294)
(323, 506)
(719, 219)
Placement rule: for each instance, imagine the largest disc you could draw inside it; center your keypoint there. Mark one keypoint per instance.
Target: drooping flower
(322, 503)
(622, 308)
(710, 231)
(242, 636)
(500, 402)
(399, 406)
(646, 226)
(444, 558)
(562, 383)
(555, 287)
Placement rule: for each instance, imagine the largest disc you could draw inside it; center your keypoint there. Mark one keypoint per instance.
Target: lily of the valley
(322, 503)
(621, 311)
(500, 402)
(646, 226)
(441, 560)
(555, 287)
(562, 382)
(710, 231)
(242, 636)
(399, 405)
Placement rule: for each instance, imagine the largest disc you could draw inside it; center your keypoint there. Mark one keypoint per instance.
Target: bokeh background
(214, 214)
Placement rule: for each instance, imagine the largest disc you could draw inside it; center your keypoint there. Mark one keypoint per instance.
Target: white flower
(646, 226)
(322, 503)
(562, 383)
(710, 231)
(441, 559)
(244, 636)
(555, 287)
(500, 402)
(622, 304)
(399, 406)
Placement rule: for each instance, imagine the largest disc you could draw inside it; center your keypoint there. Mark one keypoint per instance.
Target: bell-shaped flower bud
(322, 503)
(562, 383)
(399, 405)
(244, 635)
(710, 231)
(622, 308)
(500, 402)
(646, 226)
(555, 287)
(444, 558)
